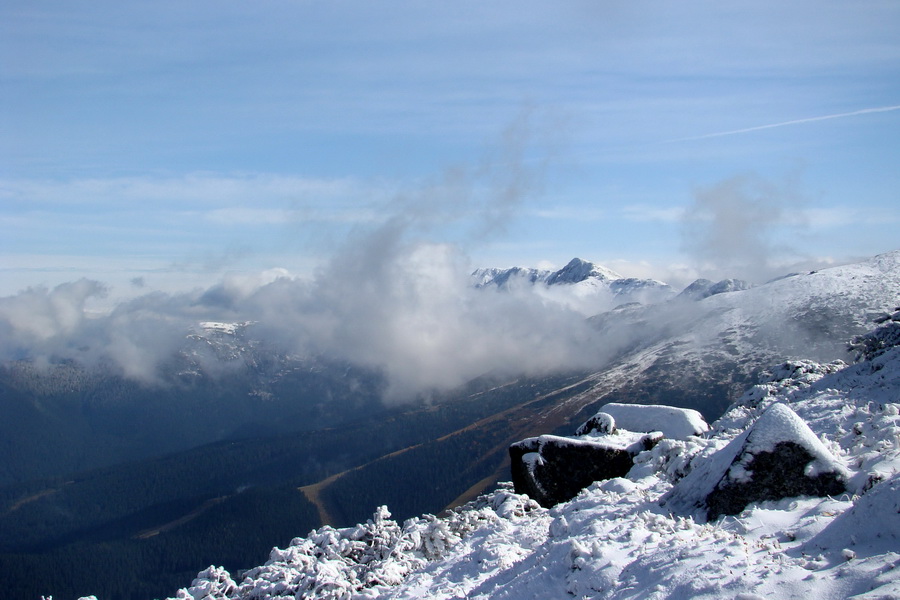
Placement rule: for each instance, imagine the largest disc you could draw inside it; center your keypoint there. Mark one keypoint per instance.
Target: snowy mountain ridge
(576, 271)
(617, 540)
(580, 278)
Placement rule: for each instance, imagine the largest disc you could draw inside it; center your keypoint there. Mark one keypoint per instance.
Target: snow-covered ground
(619, 539)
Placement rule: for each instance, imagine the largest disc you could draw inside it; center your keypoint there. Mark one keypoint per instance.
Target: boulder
(776, 457)
(673, 422)
(553, 469)
(601, 423)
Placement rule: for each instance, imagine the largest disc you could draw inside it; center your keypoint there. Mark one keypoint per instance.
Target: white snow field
(618, 539)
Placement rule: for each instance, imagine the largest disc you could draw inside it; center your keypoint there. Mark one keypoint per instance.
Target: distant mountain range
(581, 278)
(243, 423)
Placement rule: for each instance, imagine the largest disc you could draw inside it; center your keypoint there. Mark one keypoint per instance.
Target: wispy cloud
(641, 212)
(212, 189)
(566, 213)
(855, 113)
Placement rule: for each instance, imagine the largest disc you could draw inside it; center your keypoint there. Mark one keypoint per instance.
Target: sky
(165, 146)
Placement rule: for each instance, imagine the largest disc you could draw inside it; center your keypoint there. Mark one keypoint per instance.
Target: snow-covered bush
(355, 562)
(213, 583)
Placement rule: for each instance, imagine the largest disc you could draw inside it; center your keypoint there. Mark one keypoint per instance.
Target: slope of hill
(619, 539)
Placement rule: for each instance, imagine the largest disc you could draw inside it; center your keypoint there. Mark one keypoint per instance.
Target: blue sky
(164, 145)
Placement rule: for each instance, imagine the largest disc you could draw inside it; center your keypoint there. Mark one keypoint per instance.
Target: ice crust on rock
(673, 422)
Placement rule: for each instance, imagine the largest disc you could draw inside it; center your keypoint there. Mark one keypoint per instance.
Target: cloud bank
(396, 297)
(405, 308)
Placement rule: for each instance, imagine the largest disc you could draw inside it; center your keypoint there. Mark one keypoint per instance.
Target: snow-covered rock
(552, 469)
(673, 422)
(601, 423)
(777, 457)
(870, 345)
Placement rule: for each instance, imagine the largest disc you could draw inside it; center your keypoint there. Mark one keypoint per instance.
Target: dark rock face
(776, 475)
(552, 469)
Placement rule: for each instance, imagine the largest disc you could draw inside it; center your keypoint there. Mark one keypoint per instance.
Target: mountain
(622, 539)
(244, 425)
(579, 278)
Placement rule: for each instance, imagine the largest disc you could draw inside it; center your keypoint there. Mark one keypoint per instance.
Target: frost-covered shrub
(778, 383)
(669, 459)
(213, 583)
(875, 343)
(353, 562)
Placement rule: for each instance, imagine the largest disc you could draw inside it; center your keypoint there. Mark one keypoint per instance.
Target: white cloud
(568, 213)
(831, 217)
(194, 189)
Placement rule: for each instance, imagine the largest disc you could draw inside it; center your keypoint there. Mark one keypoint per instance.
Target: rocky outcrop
(777, 457)
(552, 469)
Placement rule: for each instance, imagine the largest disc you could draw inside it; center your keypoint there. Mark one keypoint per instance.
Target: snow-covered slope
(704, 288)
(619, 539)
(703, 354)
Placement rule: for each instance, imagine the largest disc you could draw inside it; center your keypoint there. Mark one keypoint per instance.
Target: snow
(213, 326)
(621, 440)
(615, 541)
(733, 463)
(676, 423)
(582, 285)
(704, 288)
(870, 527)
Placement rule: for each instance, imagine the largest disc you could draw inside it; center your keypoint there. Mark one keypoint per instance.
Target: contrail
(863, 111)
